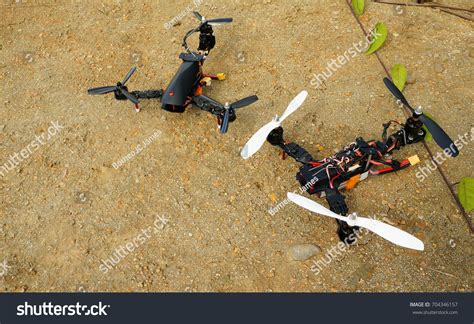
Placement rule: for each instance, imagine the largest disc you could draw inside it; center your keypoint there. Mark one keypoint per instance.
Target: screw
(452, 243)
(398, 10)
(29, 57)
(352, 218)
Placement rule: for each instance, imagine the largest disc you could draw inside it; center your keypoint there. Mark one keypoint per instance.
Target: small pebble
(301, 252)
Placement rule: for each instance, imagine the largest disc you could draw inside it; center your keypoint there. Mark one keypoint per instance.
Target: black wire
(189, 33)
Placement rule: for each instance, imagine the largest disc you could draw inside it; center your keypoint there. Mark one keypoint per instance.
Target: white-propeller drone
(388, 232)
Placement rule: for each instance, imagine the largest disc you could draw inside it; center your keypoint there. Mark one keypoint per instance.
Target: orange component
(352, 182)
(198, 91)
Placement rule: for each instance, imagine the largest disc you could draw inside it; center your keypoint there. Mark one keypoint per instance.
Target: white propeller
(388, 232)
(257, 140)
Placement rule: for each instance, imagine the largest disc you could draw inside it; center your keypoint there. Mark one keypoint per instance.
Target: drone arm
(411, 133)
(208, 104)
(337, 204)
(336, 201)
(148, 94)
(297, 152)
(292, 149)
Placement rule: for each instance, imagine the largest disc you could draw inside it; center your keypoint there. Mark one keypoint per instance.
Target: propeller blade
(129, 96)
(294, 105)
(219, 21)
(244, 102)
(440, 136)
(391, 233)
(198, 16)
(257, 140)
(396, 92)
(313, 206)
(101, 90)
(225, 121)
(388, 232)
(129, 74)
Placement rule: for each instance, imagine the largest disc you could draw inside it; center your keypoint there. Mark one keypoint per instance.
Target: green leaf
(399, 76)
(466, 193)
(358, 6)
(428, 136)
(379, 35)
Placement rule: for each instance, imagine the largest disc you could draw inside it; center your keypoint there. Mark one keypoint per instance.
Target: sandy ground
(65, 208)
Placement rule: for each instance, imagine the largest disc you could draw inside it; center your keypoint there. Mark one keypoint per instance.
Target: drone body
(355, 162)
(186, 87)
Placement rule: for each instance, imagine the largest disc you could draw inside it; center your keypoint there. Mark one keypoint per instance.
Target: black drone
(355, 162)
(187, 85)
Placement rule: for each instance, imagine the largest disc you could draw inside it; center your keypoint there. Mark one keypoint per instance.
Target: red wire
(332, 180)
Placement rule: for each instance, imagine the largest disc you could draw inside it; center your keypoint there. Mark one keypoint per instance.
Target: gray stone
(301, 252)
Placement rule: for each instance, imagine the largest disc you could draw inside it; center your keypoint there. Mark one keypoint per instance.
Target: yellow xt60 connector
(414, 160)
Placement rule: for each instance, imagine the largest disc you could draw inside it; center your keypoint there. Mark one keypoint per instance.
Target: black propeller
(212, 22)
(229, 109)
(119, 89)
(439, 135)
